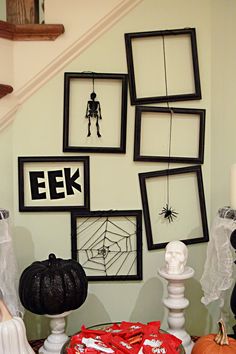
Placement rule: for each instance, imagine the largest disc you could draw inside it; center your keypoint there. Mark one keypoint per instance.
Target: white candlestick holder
(176, 304)
(57, 338)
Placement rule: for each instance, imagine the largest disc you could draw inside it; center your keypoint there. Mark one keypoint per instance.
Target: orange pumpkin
(215, 343)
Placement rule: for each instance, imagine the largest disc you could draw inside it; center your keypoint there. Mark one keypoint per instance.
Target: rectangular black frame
(177, 159)
(146, 212)
(129, 37)
(69, 183)
(97, 256)
(123, 78)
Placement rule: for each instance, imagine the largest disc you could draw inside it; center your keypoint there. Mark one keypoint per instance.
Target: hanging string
(167, 211)
(93, 82)
(171, 117)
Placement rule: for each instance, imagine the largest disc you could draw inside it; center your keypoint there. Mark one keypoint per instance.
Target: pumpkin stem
(51, 259)
(221, 338)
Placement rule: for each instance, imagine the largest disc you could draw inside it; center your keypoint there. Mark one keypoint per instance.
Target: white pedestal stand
(176, 303)
(57, 338)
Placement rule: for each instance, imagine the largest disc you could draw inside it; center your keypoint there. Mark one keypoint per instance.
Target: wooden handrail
(31, 32)
(6, 30)
(5, 90)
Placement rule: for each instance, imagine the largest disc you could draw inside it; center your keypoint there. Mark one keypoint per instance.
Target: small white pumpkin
(13, 338)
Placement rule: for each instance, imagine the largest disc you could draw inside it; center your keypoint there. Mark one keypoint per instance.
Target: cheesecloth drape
(217, 276)
(8, 268)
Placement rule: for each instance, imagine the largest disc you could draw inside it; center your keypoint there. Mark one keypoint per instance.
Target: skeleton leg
(98, 128)
(89, 125)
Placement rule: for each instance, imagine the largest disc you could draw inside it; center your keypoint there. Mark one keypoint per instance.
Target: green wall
(37, 131)
(3, 10)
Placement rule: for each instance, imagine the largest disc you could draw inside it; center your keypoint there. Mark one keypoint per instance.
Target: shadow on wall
(92, 312)
(37, 326)
(148, 306)
(23, 238)
(196, 312)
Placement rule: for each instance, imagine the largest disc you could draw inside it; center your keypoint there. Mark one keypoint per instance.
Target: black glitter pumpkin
(53, 286)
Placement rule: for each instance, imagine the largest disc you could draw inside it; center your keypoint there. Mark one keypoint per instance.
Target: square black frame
(129, 37)
(106, 214)
(146, 212)
(123, 78)
(49, 160)
(139, 110)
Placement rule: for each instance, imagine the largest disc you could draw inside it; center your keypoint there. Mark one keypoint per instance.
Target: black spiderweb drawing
(109, 247)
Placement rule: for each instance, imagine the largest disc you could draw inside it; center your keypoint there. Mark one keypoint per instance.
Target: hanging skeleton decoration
(168, 212)
(93, 111)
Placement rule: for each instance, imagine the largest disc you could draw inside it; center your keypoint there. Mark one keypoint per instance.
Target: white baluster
(57, 338)
(176, 304)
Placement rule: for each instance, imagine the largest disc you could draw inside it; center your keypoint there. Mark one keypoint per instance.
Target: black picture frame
(156, 112)
(108, 244)
(137, 73)
(113, 88)
(153, 218)
(53, 183)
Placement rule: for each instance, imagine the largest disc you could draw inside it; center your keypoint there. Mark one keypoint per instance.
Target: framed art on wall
(95, 112)
(172, 55)
(186, 201)
(51, 183)
(155, 122)
(108, 244)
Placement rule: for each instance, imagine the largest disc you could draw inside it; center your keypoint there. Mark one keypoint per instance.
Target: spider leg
(163, 211)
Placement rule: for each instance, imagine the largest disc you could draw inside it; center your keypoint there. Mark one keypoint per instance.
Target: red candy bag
(70, 351)
(93, 332)
(123, 345)
(154, 325)
(75, 339)
(98, 344)
(132, 328)
(163, 343)
(115, 329)
(173, 341)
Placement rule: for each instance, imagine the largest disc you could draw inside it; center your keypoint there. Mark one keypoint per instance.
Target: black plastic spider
(168, 213)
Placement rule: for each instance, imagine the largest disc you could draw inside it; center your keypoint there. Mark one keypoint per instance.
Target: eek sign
(53, 183)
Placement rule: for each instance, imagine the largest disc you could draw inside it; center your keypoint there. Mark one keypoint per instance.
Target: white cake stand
(176, 303)
(57, 338)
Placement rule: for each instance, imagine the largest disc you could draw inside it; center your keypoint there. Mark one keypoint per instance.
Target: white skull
(176, 257)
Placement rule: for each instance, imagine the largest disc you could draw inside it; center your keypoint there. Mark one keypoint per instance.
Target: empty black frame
(96, 146)
(154, 175)
(53, 183)
(107, 238)
(166, 97)
(200, 113)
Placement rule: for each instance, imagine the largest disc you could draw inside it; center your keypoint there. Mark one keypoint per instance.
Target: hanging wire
(93, 82)
(171, 117)
(167, 211)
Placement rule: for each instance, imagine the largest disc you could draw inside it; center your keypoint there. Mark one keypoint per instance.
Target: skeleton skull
(176, 257)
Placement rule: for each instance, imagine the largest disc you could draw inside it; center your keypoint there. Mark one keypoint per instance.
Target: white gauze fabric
(8, 270)
(218, 268)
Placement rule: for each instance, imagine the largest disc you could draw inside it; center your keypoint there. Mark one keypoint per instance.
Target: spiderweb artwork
(108, 244)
